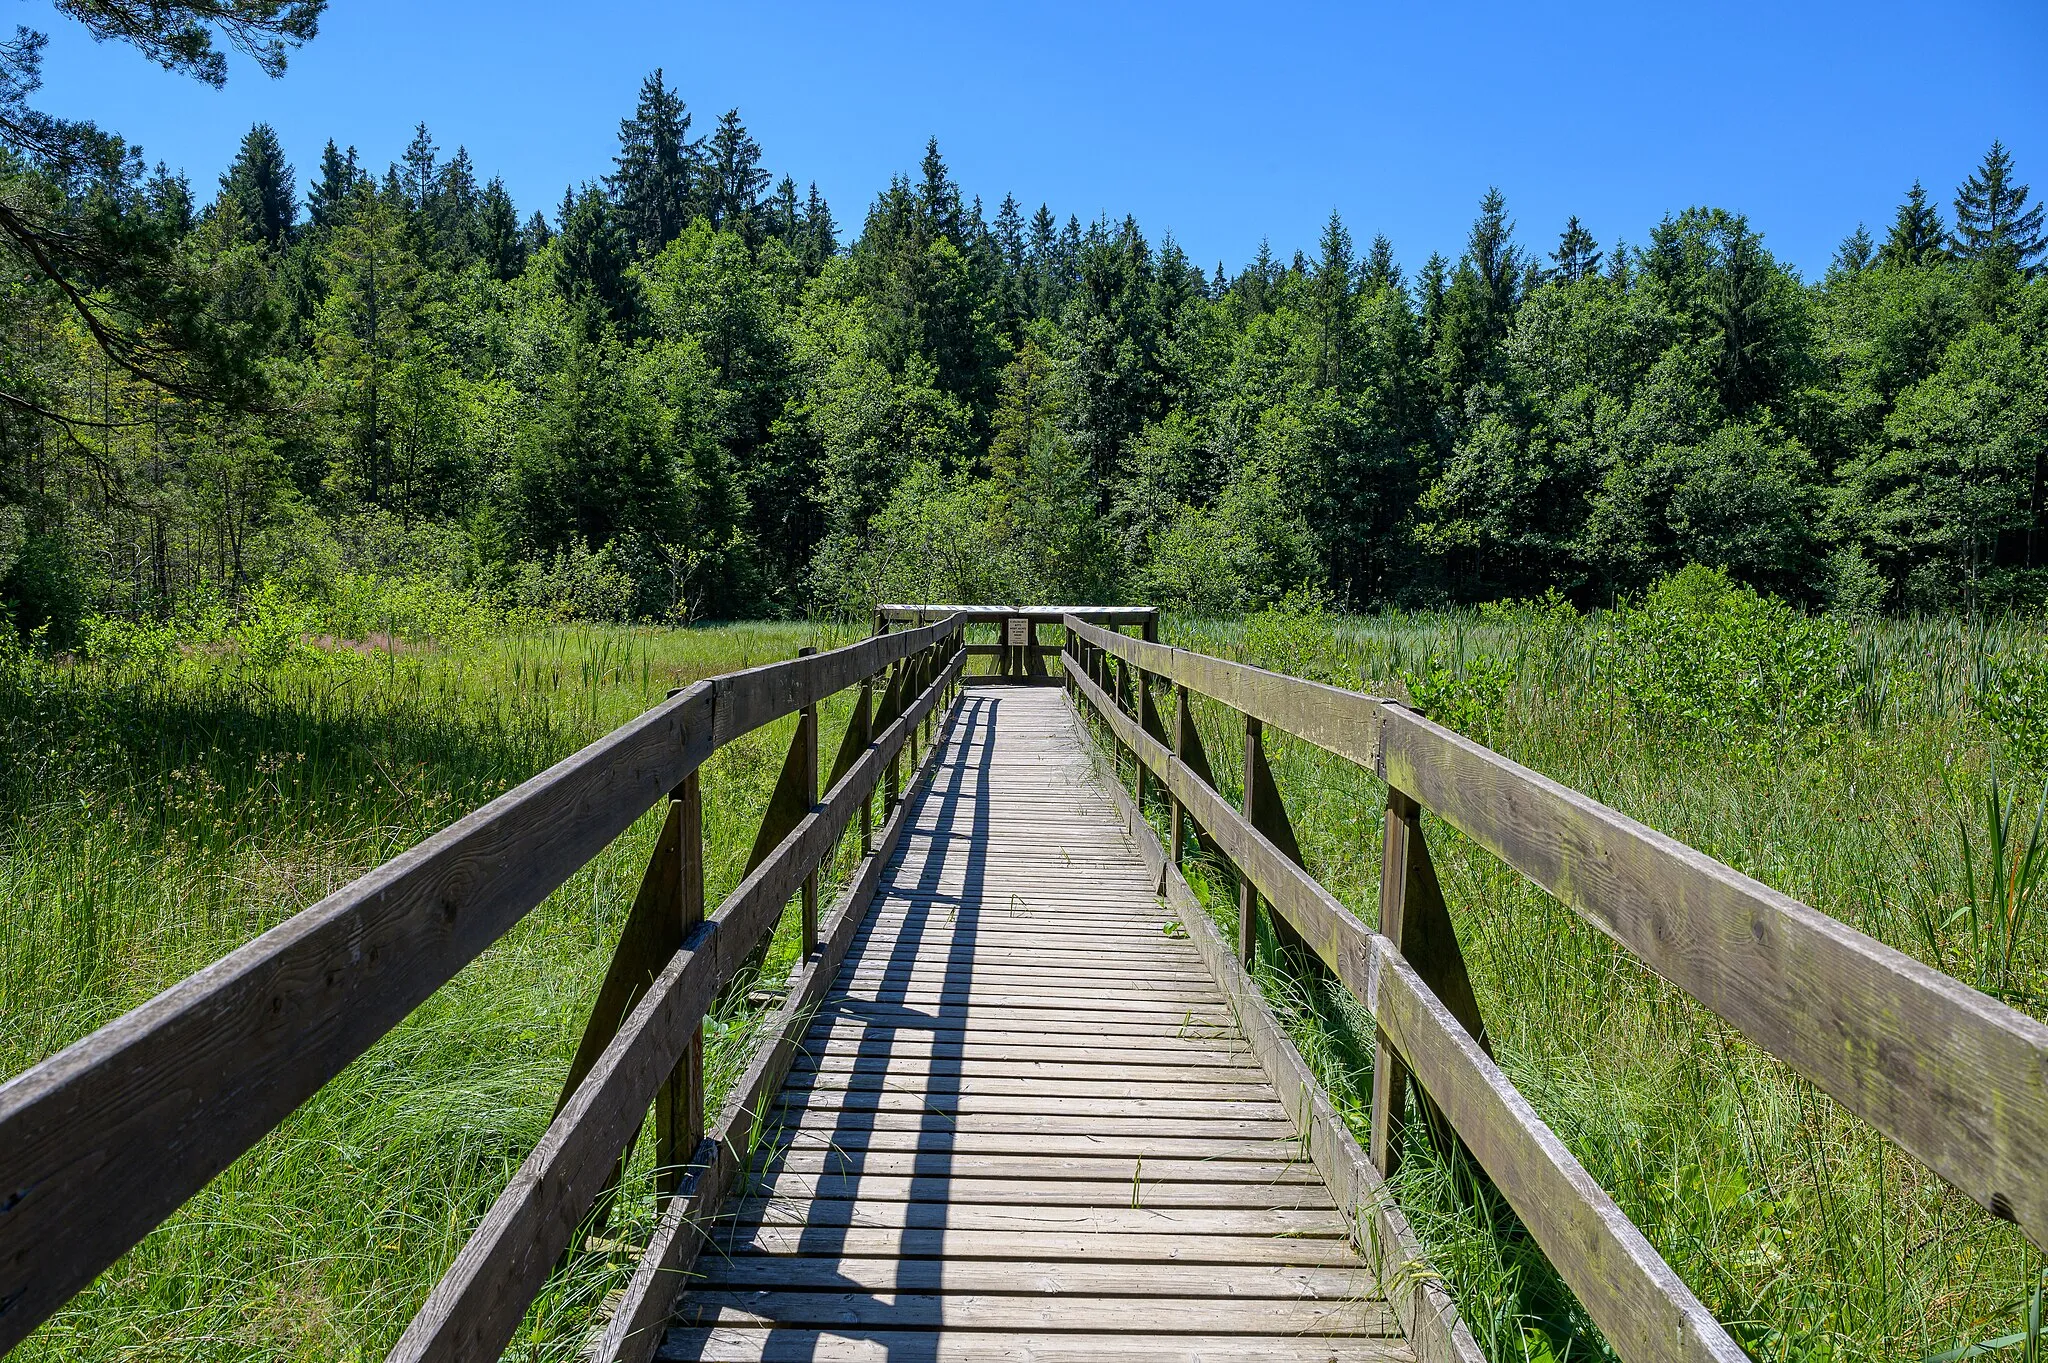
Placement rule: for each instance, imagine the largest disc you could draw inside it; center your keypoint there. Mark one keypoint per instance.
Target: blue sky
(1224, 124)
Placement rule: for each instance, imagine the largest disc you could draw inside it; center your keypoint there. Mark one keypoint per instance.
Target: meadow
(175, 790)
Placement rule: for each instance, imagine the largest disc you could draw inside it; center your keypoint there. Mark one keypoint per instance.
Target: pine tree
(260, 186)
(1993, 221)
(592, 260)
(420, 178)
(1577, 255)
(734, 178)
(327, 200)
(169, 198)
(1855, 254)
(1918, 236)
(453, 210)
(1378, 270)
(658, 167)
(536, 234)
(1430, 287)
(821, 234)
(785, 214)
(938, 198)
(499, 243)
(1491, 252)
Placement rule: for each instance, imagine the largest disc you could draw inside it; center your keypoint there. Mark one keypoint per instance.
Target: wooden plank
(820, 1159)
(1086, 1122)
(636, 1324)
(1048, 1104)
(941, 1089)
(1045, 1277)
(1087, 1246)
(1110, 616)
(710, 1306)
(846, 1345)
(1955, 1077)
(1253, 1223)
(1132, 1190)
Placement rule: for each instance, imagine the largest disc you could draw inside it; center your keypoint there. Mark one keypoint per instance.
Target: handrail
(476, 1308)
(102, 1141)
(1954, 1077)
(1645, 1309)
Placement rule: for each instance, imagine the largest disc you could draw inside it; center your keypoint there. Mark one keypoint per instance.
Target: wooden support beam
(1414, 917)
(679, 1107)
(807, 730)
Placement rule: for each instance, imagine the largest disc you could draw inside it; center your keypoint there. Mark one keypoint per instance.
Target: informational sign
(1018, 631)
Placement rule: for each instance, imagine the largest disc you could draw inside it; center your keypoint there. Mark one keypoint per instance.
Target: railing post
(864, 716)
(1247, 896)
(679, 1107)
(1414, 918)
(808, 731)
(1183, 722)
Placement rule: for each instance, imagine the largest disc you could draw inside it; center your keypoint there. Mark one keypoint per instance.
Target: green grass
(1802, 1229)
(155, 819)
(157, 815)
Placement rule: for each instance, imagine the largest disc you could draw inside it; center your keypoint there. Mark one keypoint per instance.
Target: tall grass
(154, 815)
(1908, 815)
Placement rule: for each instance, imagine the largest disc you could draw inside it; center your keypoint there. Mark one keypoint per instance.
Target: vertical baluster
(679, 1107)
(1247, 896)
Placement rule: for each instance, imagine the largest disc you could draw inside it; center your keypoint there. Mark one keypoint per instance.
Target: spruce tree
(327, 200)
(938, 198)
(452, 215)
(1378, 270)
(1855, 254)
(1577, 254)
(1993, 221)
(821, 234)
(734, 178)
(785, 214)
(593, 260)
(658, 167)
(1491, 252)
(499, 243)
(1918, 236)
(419, 178)
(169, 198)
(260, 186)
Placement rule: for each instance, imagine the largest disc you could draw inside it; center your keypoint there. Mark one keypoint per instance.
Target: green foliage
(1703, 657)
(1468, 694)
(2015, 703)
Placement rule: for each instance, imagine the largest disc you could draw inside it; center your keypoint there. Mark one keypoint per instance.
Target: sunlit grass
(154, 819)
(1801, 1228)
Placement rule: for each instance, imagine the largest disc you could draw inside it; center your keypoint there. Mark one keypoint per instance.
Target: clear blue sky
(1222, 123)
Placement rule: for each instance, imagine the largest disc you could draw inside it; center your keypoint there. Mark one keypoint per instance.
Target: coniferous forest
(693, 389)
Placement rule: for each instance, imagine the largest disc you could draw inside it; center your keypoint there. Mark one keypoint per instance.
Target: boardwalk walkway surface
(1025, 1125)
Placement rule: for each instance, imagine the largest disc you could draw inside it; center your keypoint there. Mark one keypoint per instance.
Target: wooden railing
(1955, 1078)
(103, 1141)
(1017, 651)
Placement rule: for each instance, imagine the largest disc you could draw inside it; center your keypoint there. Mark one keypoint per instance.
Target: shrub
(1468, 694)
(2014, 702)
(1701, 656)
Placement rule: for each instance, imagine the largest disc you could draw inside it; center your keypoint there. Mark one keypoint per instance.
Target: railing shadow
(956, 803)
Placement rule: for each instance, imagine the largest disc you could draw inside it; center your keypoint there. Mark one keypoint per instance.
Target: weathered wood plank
(849, 1344)
(1046, 1277)
(1085, 1246)
(712, 1306)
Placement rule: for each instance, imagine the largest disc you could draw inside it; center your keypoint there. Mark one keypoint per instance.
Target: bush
(1701, 656)
(2015, 703)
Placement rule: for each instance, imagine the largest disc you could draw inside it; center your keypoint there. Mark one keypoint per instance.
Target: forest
(689, 392)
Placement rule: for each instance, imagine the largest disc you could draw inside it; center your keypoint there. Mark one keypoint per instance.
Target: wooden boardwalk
(1024, 1124)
